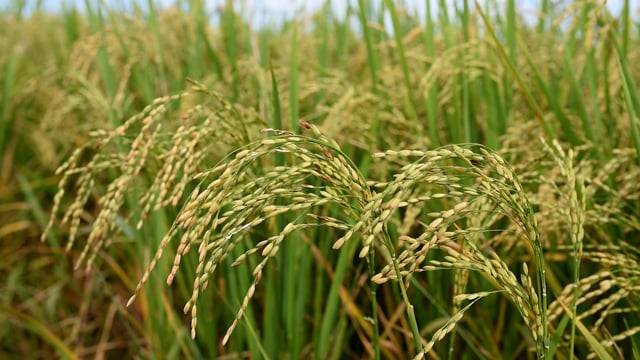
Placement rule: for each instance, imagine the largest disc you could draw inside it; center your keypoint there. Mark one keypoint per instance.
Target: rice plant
(455, 184)
(311, 172)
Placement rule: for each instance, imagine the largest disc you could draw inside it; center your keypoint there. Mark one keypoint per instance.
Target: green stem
(374, 309)
(405, 298)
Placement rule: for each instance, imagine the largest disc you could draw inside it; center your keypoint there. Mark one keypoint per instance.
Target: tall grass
(462, 185)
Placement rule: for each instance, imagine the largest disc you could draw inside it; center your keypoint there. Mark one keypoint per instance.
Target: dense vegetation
(461, 184)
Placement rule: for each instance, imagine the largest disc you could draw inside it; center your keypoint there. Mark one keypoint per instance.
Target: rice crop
(178, 182)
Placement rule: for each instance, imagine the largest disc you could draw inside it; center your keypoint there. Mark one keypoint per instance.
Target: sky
(262, 12)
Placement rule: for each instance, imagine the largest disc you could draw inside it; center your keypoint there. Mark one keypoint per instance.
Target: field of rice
(176, 182)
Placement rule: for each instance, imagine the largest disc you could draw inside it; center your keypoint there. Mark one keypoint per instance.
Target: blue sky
(274, 11)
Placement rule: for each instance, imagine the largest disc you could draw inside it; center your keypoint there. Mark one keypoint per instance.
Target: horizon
(262, 13)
